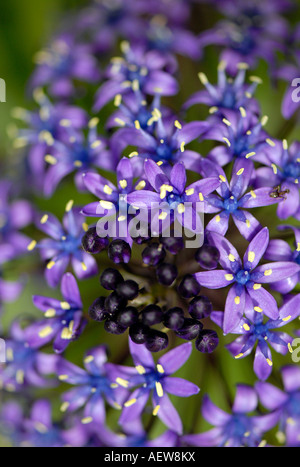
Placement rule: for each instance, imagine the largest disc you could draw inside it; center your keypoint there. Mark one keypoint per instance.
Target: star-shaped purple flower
(155, 380)
(25, 366)
(233, 199)
(285, 403)
(62, 63)
(137, 69)
(237, 429)
(64, 319)
(94, 386)
(246, 278)
(64, 246)
(172, 199)
(283, 171)
(254, 329)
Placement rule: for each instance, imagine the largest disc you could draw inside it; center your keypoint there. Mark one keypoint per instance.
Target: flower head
(235, 429)
(246, 278)
(254, 329)
(94, 386)
(64, 246)
(64, 319)
(155, 380)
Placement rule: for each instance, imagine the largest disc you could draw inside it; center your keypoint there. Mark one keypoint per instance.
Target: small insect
(279, 193)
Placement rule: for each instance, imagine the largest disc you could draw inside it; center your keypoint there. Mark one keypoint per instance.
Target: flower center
(291, 170)
(230, 204)
(242, 277)
(164, 151)
(173, 200)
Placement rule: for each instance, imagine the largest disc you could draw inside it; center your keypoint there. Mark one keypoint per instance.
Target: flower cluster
(161, 226)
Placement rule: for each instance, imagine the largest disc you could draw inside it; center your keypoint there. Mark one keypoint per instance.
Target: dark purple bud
(119, 251)
(153, 254)
(114, 302)
(166, 273)
(207, 341)
(127, 317)
(172, 244)
(190, 329)
(207, 256)
(128, 289)
(111, 278)
(97, 310)
(200, 307)
(113, 327)
(92, 243)
(174, 318)
(189, 287)
(151, 315)
(156, 341)
(138, 333)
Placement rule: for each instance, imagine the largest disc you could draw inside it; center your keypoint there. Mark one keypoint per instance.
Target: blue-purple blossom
(25, 366)
(254, 329)
(64, 246)
(138, 69)
(43, 128)
(285, 403)
(228, 93)
(246, 278)
(62, 64)
(78, 154)
(63, 321)
(280, 250)
(172, 199)
(93, 386)
(154, 380)
(165, 145)
(283, 172)
(242, 134)
(247, 34)
(238, 428)
(112, 199)
(234, 198)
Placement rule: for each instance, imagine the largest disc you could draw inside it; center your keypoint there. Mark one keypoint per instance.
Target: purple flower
(155, 379)
(279, 250)
(228, 93)
(11, 426)
(113, 199)
(166, 144)
(170, 40)
(78, 154)
(290, 72)
(284, 403)
(94, 386)
(236, 429)
(138, 69)
(61, 64)
(243, 134)
(134, 435)
(284, 172)
(64, 319)
(174, 200)
(25, 366)
(253, 329)
(246, 278)
(247, 34)
(44, 126)
(64, 246)
(13, 217)
(232, 198)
